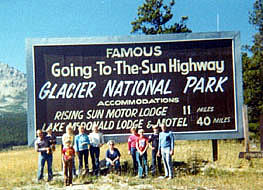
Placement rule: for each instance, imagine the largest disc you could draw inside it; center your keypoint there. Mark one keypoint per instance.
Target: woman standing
(96, 141)
(82, 149)
(132, 148)
(69, 136)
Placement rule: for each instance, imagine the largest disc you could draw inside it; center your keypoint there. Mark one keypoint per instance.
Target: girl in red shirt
(141, 154)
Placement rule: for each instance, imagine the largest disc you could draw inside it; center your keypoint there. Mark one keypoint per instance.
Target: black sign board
(188, 85)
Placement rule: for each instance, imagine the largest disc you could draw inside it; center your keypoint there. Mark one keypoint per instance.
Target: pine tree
(154, 17)
(253, 66)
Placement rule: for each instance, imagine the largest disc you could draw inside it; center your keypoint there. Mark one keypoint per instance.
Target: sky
(22, 19)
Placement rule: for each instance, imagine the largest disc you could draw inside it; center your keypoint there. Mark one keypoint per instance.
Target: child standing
(166, 148)
(68, 153)
(132, 148)
(154, 140)
(141, 154)
(51, 137)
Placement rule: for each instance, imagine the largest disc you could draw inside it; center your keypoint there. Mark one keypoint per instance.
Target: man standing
(166, 147)
(154, 140)
(45, 155)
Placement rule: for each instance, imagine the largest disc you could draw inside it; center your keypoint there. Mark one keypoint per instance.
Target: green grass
(18, 169)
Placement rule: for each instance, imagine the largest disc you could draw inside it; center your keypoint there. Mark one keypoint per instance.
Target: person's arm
(129, 145)
(107, 157)
(36, 146)
(146, 147)
(54, 139)
(118, 155)
(137, 147)
(150, 140)
(63, 139)
(88, 141)
(159, 145)
(172, 143)
(63, 153)
(77, 144)
(101, 140)
(43, 149)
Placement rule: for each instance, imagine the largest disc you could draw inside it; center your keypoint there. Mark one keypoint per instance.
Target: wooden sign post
(215, 150)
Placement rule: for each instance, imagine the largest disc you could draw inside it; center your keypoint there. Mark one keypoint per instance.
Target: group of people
(81, 145)
(162, 145)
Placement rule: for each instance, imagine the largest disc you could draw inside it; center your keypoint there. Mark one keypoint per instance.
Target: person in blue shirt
(166, 148)
(82, 143)
(113, 157)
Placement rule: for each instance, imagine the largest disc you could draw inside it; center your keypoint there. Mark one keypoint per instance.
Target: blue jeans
(159, 161)
(95, 155)
(167, 160)
(142, 164)
(85, 154)
(42, 158)
(134, 159)
(117, 165)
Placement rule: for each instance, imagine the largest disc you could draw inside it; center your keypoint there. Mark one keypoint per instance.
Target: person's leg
(154, 152)
(41, 164)
(140, 169)
(159, 161)
(66, 173)
(117, 165)
(170, 165)
(70, 163)
(86, 159)
(49, 166)
(80, 157)
(97, 161)
(134, 159)
(164, 157)
(108, 165)
(92, 155)
(73, 166)
(145, 164)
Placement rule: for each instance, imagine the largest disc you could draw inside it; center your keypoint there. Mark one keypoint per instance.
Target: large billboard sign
(192, 83)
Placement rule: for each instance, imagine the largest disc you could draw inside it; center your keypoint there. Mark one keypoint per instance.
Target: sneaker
(163, 177)
(39, 180)
(48, 180)
(170, 178)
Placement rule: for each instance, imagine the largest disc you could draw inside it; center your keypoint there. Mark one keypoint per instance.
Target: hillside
(13, 106)
(13, 85)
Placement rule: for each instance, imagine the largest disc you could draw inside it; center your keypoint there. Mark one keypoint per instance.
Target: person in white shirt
(96, 141)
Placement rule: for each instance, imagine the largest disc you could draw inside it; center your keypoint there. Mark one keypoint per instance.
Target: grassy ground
(18, 170)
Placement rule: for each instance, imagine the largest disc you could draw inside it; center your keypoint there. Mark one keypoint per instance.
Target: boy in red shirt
(68, 153)
(141, 154)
